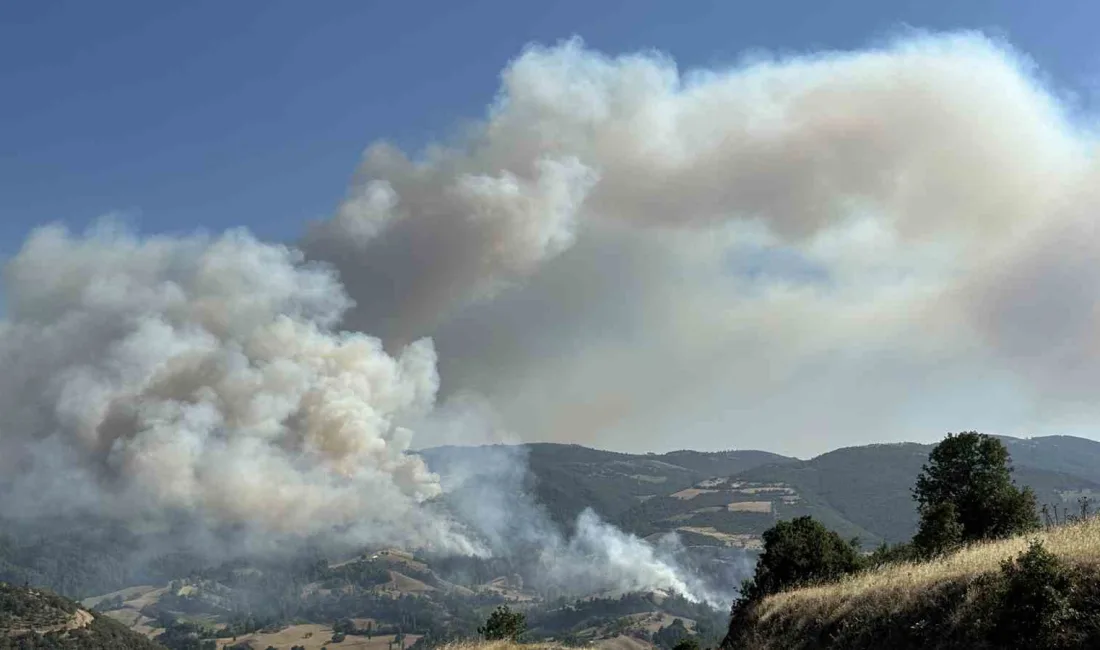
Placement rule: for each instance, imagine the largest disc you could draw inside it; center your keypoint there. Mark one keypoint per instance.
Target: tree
(972, 472)
(796, 553)
(799, 552)
(503, 623)
(940, 530)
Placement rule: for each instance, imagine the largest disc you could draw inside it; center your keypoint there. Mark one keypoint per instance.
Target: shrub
(1035, 603)
(800, 552)
(503, 623)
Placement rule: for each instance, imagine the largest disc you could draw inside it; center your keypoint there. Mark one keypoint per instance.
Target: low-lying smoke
(486, 487)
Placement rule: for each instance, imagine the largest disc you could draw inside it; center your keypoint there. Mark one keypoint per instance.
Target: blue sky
(218, 114)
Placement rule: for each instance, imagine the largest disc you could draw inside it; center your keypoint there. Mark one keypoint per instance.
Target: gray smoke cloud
(860, 233)
(204, 376)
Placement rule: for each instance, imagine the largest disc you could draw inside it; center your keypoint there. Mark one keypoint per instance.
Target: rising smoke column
(204, 376)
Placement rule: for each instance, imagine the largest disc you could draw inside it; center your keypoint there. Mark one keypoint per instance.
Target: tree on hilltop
(965, 493)
(799, 552)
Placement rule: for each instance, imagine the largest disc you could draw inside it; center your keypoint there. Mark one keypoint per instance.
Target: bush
(1035, 604)
(800, 552)
(503, 623)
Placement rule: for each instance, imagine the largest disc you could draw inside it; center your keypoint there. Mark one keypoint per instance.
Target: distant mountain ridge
(731, 497)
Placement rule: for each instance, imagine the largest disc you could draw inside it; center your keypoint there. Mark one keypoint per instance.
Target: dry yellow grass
(893, 587)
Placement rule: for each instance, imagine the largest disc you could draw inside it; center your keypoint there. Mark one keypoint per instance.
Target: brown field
(134, 599)
(405, 584)
(752, 542)
(750, 506)
(312, 637)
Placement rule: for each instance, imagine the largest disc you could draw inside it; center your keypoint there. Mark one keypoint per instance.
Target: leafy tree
(798, 552)
(687, 644)
(503, 623)
(972, 472)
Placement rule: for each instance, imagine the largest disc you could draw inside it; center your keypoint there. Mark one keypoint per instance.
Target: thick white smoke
(204, 376)
(884, 219)
(485, 487)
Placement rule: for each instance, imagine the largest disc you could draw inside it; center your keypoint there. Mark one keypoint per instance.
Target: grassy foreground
(948, 603)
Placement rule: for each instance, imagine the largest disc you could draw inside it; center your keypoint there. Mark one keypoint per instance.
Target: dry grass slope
(898, 600)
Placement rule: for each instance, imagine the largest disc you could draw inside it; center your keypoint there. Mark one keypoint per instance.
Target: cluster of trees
(964, 494)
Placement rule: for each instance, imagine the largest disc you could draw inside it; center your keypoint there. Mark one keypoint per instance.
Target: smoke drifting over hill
(617, 242)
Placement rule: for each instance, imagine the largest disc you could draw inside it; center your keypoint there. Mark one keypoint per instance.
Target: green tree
(796, 553)
(503, 623)
(799, 552)
(972, 472)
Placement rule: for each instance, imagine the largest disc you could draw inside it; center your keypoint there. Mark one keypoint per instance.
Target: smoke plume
(903, 221)
(816, 247)
(204, 376)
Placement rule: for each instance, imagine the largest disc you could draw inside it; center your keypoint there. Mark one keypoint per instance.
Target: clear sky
(220, 114)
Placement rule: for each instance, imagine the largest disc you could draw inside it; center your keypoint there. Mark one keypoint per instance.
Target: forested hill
(32, 618)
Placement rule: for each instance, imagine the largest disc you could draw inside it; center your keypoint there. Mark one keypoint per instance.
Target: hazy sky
(214, 115)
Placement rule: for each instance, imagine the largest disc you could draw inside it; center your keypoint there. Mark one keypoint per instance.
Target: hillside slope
(35, 618)
(949, 603)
